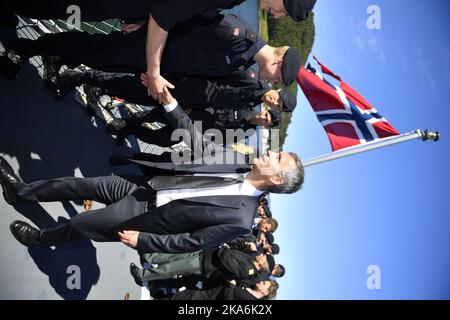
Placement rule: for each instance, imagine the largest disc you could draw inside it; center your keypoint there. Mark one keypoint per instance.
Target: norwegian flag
(346, 116)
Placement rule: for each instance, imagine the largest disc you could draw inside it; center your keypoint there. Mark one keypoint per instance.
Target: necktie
(191, 182)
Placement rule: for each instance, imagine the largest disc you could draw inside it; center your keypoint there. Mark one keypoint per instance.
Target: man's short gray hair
(293, 178)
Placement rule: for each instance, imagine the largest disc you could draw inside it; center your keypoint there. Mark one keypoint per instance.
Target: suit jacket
(207, 156)
(192, 224)
(210, 118)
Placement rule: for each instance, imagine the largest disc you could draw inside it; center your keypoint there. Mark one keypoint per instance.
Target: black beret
(275, 122)
(269, 237)
(275, 248)
(283, 270)
(298, 10)
(289, 100)
(270, 262)
(290, 66)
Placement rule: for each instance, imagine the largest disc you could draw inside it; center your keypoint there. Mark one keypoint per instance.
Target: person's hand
(87, 204)
(129, 238)
(251, 246)
(131, 27)
(144, 79)
(155, 84)
(166, 97)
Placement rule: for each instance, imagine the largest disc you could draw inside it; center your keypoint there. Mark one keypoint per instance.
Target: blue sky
(389, 207)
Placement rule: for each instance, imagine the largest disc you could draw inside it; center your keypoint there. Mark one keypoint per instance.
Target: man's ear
(277, 61)
(276, 180)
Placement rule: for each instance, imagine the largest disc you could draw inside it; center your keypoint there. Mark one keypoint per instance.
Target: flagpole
(417, 134)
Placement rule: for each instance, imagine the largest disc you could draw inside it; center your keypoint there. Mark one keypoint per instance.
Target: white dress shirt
(238, 189)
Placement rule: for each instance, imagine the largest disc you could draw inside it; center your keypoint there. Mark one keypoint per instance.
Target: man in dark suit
(152, 217)
(168, 212)
(171, 212)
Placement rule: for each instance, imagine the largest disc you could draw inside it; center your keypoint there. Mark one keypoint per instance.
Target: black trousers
(125, 197)
(91, 10)
(114, 52)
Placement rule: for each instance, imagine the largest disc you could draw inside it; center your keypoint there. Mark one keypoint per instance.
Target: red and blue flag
(346, 116)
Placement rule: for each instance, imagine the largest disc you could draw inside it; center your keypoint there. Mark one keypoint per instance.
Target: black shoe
(136, 273)
(65, 82)
(93, 95)
(120, 138)
(51, 64)
(116, 127)
(24, 233)
(9, 181)
(10, 65)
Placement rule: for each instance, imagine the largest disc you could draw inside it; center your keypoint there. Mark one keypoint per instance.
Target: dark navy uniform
(228, 264)
(240, 90)
(167, 13)
(261, 276)
(213, 47)
(229, 118)
(220, 292)
(240, 242)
